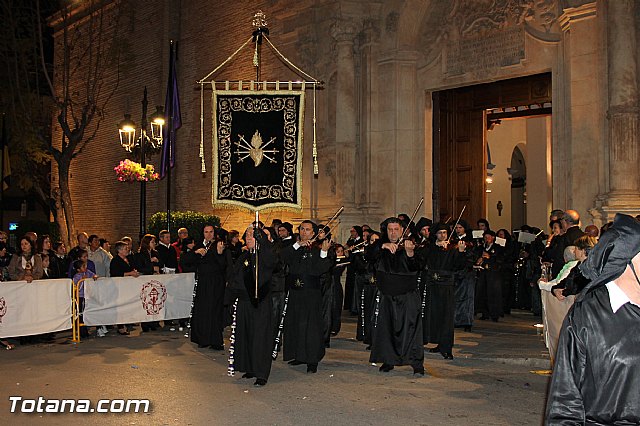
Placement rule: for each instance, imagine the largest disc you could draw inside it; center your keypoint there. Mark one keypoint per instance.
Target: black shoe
(312, 368)
(202, 346)
(368, 347)
(484, 318)
(295, 362)
(447, 355)
(327, 345)
(385, 368)
(260, 382)
(435, 350)
(494, 319)
(467, 328)
(419, 371)
(217, 347)
(248, 376)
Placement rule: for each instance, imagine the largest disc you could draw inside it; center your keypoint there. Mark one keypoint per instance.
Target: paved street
(495, 379)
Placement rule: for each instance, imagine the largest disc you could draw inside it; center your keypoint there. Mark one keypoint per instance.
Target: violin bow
(406, 229)
(335, 216)
(456, 224)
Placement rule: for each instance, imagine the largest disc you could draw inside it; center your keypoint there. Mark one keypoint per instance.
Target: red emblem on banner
(3, 308)
(153, 295)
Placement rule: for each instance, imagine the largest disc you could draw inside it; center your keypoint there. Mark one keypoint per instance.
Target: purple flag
(173, 119)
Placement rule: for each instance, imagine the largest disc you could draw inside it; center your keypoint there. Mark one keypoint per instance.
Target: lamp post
(128, 140)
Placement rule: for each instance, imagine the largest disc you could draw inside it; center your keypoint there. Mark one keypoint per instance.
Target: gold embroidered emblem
(256, 149)
(372, 280)
(246, 262)
(298, 282)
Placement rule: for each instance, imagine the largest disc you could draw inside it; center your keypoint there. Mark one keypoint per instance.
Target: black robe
(489, 286)
(596, 379)
(397, 336)
(207, 322)
(465, 287)
(366, 285)
(254, 323)
(303, 325)
(596, 376)
(438, 276)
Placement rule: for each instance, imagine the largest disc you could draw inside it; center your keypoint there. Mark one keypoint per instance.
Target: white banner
(42, 306)
(130, 300)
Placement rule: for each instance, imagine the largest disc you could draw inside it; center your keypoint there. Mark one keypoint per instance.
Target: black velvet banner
(257, 140)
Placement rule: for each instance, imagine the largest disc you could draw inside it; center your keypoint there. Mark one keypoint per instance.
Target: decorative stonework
(391, 23)
(483, 36)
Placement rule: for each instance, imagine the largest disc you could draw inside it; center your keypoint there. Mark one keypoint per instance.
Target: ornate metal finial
(259, 20)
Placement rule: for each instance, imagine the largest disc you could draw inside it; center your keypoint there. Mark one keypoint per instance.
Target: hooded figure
(596, 378)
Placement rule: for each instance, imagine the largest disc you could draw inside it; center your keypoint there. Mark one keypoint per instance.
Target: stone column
(624, 182)
(344, 32)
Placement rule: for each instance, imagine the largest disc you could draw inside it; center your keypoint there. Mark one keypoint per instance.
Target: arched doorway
(461, 119)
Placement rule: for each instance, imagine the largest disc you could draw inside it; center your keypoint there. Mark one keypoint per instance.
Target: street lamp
(127, 133)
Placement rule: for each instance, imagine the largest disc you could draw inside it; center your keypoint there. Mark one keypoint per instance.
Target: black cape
(397, 334)
(596, 379)
(303, 325)
(207, 321)
(254, 328)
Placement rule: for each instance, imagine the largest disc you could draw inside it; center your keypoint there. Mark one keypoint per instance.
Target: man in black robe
(207, 322)
(397, 336)
(253, 339)
(303, 325)
(442, 262)
(596, 378)
(489, 288)
(465, 279)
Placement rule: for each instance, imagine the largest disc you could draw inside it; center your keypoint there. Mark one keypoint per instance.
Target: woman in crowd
(44, 245)
(122, 266)
(146, 263)
(188, 258)
(25, 265)
(146, 260)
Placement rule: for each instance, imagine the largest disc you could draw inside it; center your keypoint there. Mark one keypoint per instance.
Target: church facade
(413, 91)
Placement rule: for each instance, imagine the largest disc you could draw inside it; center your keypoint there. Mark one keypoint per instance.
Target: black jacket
(596, 379)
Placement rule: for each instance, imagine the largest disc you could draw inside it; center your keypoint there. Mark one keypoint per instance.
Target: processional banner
(41, 306)
(257, 149)
(131, 300)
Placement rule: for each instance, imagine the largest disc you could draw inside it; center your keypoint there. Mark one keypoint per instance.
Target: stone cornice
(575, 14)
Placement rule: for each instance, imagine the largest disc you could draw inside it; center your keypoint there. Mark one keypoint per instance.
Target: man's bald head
(572, 217)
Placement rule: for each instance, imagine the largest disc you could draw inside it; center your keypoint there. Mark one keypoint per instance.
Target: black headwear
(615, 249)
(464, 224)
(441, 227)
(423, 222)
(288, 227)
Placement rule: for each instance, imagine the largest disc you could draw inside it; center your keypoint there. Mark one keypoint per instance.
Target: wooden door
(459, 157)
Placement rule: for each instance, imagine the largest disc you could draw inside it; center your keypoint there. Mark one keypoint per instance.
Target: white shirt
(617, 297)
(323, 253)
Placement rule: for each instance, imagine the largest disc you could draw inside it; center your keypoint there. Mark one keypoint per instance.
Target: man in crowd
(303, 326)
(596, 376)
(99, 256)
(167, 254)
(397, 337)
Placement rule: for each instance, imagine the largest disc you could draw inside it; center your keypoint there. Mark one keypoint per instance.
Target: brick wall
(206, 36)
